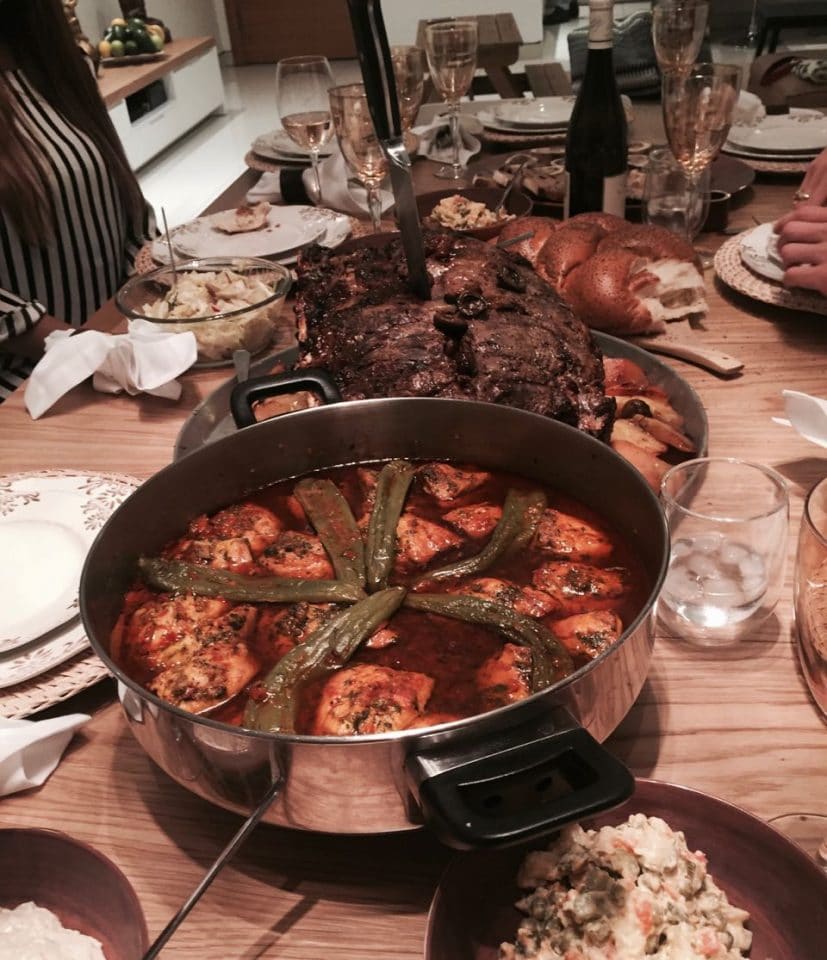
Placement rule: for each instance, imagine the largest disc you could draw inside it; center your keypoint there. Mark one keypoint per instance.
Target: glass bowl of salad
(228, 303)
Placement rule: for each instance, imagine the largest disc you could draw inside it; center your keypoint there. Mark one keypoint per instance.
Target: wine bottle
(596, 139)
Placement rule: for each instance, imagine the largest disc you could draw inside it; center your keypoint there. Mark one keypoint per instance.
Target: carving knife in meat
(380, 89)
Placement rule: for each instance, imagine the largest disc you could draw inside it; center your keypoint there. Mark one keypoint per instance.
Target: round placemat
(256, 162)
(736, 274)
(144, 261)
(787, 168)
(496, 140)
(52, 687)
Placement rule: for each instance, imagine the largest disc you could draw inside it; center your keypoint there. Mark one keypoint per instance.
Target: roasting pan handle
(246, 394)
(537, 778)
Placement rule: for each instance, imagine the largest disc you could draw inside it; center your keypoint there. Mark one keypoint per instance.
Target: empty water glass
(671, 198)
(728, 524)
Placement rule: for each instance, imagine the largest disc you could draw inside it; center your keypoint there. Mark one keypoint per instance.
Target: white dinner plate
(539, 112)
(759, 251)
(490, 121)
(61, 510)
(334, 228)
(277, 145)
(745, 154)
(287, 228)
(41, 572)
(789, 133)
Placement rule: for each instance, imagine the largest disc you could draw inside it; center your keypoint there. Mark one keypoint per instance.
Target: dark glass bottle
(596, 140)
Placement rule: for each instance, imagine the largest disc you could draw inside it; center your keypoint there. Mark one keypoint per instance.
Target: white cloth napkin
(339, 189)
(806, 414)
(435, 139)
(749, 109)
(145, 359)
(31, 749)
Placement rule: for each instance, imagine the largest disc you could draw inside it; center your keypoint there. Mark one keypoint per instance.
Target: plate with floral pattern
(48, 520)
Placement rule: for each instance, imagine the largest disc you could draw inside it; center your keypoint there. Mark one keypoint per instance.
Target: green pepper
(325, 650)
(175, 576)
(520, 516)
(551, 662)
(336, 526)
(391, 489)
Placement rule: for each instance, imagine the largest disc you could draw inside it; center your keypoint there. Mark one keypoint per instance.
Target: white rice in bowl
(628, 892)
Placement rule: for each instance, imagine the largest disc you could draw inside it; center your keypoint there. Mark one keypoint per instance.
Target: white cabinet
(155, 115)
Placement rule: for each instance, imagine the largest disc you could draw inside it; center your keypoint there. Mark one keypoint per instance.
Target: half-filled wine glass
(409, 72)
(302, 102)
(678, 28)
(358, 142)
(451, 48)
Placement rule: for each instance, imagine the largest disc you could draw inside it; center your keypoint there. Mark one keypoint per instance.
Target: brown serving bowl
(519, 204)
(81, 886)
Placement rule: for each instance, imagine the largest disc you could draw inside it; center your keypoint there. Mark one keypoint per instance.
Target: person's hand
(813, 187)
(802, 247)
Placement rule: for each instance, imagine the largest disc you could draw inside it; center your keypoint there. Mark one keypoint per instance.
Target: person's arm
(24, 325)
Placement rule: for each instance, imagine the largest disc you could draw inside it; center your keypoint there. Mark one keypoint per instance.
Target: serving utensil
(380, 89)
(683, 349)
(515, 178)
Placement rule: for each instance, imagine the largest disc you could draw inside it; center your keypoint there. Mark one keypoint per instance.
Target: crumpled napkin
(749, 109)
(340, 191)
(145, 359)
(31, 749)
(435, 139)
(806, 414)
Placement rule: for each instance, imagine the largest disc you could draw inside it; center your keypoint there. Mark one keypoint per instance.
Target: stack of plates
(542, 115)
(48, 521)
(759, 251)
(794, 137)
(288, 230)
(277, 145)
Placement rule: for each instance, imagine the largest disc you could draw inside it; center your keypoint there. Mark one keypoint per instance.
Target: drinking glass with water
(728, 524)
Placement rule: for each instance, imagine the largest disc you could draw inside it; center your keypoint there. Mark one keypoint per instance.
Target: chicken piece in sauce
(566, 537)
(581, 587)
(476, 521)
(257, 525)
(588, 634)
(297, 554)
(527, 601)
(367, 698)
(419, 541)
(233, 554)
(281, 627)
(447, 483)
(213, 674)
(505, 677)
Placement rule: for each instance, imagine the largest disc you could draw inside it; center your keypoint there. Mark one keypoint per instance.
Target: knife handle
(377, 67)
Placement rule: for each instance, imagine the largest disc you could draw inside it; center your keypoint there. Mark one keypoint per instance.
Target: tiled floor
(193, 171)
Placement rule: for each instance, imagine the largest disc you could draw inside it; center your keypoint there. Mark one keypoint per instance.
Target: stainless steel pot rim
(418, 735)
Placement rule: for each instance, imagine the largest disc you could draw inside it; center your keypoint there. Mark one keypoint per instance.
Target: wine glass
(697, 113)
(359, 143)
(810, 594)
(451, 47)
(301, 99)
(678, 28)
(409, 71)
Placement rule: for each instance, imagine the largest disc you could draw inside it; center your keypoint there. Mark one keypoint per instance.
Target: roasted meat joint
(375, 598)
(493, 330)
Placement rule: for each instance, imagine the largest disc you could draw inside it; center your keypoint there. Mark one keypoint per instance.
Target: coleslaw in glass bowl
(228, 303)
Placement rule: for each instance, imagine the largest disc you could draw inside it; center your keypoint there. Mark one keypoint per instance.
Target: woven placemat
(496, 140)
(792, 168)
(256, 162)
(54, 686)
(736, 274)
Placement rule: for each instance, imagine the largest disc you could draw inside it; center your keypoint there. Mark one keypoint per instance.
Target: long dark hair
(39, 35)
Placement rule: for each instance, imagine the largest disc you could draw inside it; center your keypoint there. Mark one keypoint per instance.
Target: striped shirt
(94, 246)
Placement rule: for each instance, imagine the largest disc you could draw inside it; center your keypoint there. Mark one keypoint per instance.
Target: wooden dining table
(734, 721)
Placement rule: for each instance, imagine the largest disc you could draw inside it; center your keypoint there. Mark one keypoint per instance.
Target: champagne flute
(409, 72)
(358, 142)
(451, 47)
(302, 102)
(678, 28)
(697, 113)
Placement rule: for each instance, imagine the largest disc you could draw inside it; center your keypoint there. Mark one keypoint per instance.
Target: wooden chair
(548, 79)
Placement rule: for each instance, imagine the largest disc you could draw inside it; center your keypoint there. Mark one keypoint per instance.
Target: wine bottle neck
(600, 24)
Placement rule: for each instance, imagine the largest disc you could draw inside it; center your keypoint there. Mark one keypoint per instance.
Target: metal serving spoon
(516, 178)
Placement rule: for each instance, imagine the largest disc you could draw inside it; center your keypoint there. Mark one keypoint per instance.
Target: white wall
(185, 18)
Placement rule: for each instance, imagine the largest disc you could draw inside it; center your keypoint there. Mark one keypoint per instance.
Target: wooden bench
(499, 41)
(548, 79)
